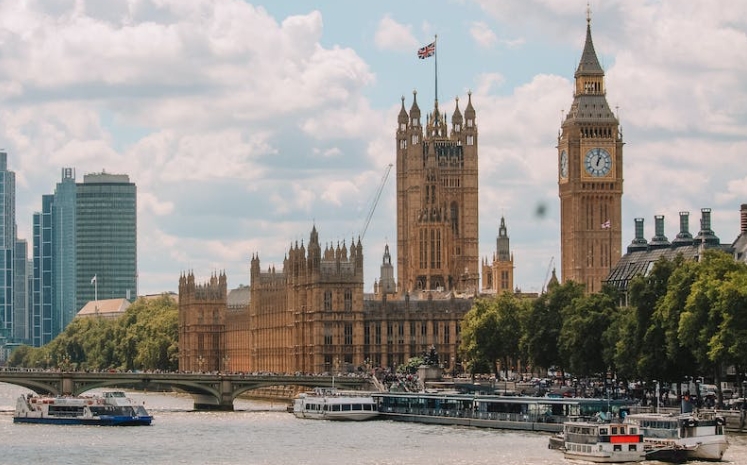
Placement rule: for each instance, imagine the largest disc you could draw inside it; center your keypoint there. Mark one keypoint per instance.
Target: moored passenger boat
(330, 404)
(491, 411)
(681, 437)
(602, 441)
(110, 409)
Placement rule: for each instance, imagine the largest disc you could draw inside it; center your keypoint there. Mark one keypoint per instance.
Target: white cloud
(391, 35)
(482, 34)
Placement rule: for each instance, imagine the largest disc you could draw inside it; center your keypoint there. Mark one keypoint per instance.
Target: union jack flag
(427, 51)
(606, 225)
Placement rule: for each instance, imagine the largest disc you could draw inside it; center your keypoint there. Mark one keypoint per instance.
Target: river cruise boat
(109, 409)
(492, 411)
(330, 404)
(683, 436)
(600, 440)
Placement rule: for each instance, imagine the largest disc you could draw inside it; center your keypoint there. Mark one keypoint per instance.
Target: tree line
(144, 338)
(683, 319)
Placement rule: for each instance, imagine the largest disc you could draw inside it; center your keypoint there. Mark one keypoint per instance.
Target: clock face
(564, 164)
(598, 162)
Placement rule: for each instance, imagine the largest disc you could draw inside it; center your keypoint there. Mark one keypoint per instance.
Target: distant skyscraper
(43, 330)
(63, 249)
(106, 238)
(7, 245)
(21, 303)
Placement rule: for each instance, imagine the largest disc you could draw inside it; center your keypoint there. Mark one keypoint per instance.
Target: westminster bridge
(210, 391)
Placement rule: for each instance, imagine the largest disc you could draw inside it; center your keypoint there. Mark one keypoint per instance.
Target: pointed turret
(589, 64)
(456, 118)
(469, 112)
(415, 109)
(403, 117)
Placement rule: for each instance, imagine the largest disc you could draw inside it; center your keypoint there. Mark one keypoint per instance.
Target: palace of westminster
(313, 315)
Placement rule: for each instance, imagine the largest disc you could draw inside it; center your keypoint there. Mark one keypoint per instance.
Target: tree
(584, 332)
(637, 351)
(145, 337)
(542, 323)
(492, 330)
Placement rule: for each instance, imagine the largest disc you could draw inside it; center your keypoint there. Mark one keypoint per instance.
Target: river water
(264, 433)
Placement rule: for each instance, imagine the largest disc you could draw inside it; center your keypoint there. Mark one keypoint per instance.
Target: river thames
(264, 433)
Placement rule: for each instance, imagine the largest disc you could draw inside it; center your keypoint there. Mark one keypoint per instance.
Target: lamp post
(656, 382)
(200, 362)
(226, 359)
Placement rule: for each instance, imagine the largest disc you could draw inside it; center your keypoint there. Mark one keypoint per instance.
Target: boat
(602, 440)
(331, 404)
(679, 437)
(492, 411)
(112, 408)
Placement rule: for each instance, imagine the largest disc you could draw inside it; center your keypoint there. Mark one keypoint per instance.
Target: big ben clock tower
(590, 178)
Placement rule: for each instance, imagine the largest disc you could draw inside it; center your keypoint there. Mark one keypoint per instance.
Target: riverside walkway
(211, 391)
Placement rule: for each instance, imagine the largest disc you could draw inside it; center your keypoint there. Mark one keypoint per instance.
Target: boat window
(632, 447)
(603, 431)
(617, 447)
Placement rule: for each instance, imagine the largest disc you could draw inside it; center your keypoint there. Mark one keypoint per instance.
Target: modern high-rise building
(105, 238)
(63, 240)
(43, 314)
(590, 178)
(21, 303)
(7, 245)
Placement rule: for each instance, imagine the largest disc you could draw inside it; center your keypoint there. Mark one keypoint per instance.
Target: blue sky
(244, 124)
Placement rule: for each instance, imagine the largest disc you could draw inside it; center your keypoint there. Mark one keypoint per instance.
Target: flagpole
(435, 55)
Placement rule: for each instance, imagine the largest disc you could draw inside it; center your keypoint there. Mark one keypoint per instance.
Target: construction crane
(376, 199)
(547, 274)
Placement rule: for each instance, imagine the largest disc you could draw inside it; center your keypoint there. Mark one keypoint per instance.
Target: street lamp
(200, 361)
(656, 382)
(226, 359)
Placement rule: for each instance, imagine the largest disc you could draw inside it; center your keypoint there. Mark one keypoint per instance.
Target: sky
(244, 124)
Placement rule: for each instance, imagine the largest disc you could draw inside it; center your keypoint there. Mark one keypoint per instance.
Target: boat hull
(101, 421)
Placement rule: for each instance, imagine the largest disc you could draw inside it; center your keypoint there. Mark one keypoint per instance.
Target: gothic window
(414, 122)
(423, 333)
(367, 336)
(412, 332)
(377, 333)
(348, 300)
(402, 126)
(402, 144)
(401, 334)
(447, 334)
(504, 279)
(415, 138)
(457, 127)
(348, 331)
(470, 140)
(327, 301)
(327, 334)
(470, 123)
(454, 216)
(423, 251)
(389, 333)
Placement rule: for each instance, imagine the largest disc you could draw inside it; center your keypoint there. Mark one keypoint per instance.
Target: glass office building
(105, 238)
(7, 245)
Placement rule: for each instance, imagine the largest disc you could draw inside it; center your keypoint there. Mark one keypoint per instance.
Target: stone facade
(590, 178)
(313, 317)
(437, 215)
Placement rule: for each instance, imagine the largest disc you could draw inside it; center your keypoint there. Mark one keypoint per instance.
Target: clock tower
(590, 178)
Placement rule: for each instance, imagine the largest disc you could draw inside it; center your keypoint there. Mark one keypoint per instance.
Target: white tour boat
(110, 409)
(602, 441)
(330, 404)
(680, 437)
